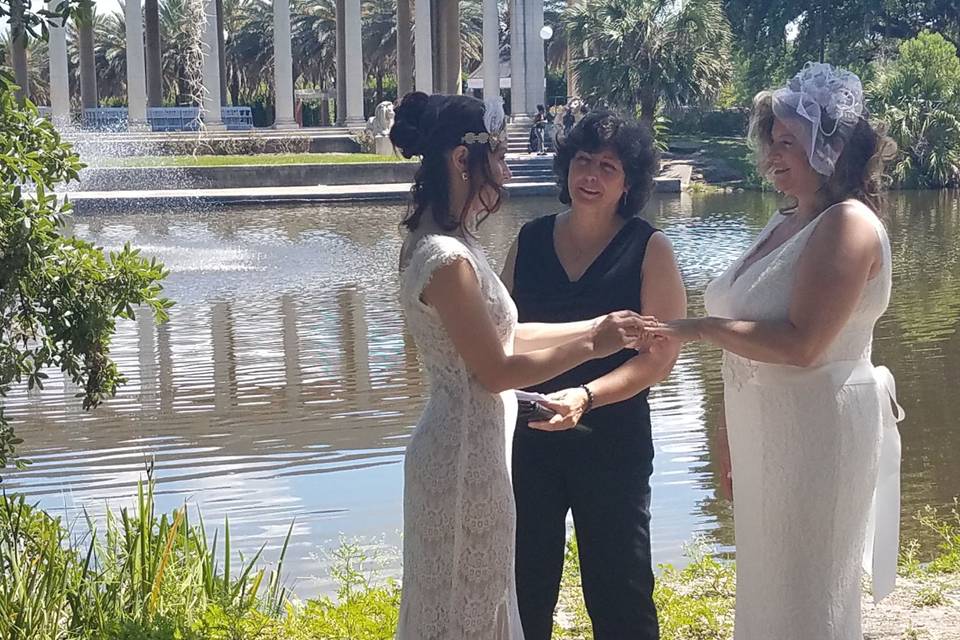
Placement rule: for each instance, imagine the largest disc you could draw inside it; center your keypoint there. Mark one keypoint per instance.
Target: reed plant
(143, 576)
(140, 575)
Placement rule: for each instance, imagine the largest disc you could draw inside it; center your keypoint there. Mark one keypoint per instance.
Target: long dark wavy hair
(429, 127)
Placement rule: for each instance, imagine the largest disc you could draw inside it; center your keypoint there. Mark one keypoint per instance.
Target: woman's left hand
(686, 330)
(569, 405)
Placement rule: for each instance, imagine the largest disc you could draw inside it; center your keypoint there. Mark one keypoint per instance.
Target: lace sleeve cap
(431, 253)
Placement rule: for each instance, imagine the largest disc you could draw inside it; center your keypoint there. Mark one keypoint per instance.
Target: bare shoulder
(848, 226)
(659, 250)
(659, 242)
(845, 242)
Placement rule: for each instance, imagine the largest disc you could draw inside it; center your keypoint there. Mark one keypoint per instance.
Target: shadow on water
(285, 385)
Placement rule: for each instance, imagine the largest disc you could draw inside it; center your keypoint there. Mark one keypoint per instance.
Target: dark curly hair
(859, 170)
(429, 127)
(632, 141)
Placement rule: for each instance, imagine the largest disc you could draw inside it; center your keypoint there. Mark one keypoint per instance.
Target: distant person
(539, 131)
(568, 120)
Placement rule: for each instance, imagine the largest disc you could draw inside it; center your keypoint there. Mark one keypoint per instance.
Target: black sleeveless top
(544, 293)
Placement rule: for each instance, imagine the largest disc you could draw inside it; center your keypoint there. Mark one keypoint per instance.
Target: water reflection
(284, 386)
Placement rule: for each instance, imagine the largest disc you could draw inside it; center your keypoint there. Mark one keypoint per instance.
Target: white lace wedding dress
(813, 450)
(459, 516)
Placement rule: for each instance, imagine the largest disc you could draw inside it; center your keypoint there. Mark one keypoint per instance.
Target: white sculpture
(380, 123)
(379, 126)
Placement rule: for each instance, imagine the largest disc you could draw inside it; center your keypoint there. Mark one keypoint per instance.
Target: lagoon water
(284, 387)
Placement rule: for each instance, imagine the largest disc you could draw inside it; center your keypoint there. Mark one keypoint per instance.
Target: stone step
(525, 179)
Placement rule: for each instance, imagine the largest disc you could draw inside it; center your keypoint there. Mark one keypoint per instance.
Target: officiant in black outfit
(597, 459)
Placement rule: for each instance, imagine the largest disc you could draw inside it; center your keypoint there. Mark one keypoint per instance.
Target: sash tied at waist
(883, 526)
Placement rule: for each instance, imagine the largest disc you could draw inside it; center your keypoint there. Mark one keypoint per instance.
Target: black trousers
(604, 478)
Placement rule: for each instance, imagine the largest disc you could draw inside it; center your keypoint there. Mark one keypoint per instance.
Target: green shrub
(143, 576)
(918, 96)
(60, 297)
(926, 68)
(693, 603)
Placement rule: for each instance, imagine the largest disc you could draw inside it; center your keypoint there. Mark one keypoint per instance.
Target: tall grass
(144, 576)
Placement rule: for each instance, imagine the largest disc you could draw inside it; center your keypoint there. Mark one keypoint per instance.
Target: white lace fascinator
(495, 123)
(821, 105)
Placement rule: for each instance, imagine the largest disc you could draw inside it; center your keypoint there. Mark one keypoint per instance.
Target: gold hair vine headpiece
(482, 138)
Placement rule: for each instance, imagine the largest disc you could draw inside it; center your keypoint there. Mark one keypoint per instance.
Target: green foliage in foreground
(144, 576)
(918, 96)
(693, 603)
(60, 297)
(945, 527)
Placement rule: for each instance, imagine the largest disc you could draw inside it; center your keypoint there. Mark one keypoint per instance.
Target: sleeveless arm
(451, 288)
(662, 295)
(831, 274)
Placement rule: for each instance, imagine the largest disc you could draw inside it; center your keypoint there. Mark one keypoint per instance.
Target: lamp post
(546, 32)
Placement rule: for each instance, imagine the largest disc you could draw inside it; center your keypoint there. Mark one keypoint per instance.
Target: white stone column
(59, 77)
(536, 74)
(572, 85)
(423, 46)
(354, 64)
(212, 116)
(404, 49)
(491, 50)
(283, 66)
(136, 67)
(341, 84)
(518, 56)
(448, 38)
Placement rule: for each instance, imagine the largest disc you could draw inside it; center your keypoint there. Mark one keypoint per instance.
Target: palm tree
(314, 33)
(83, 19)
(180, 57)
(556, 54)
(38, 68)
(151, 24)
(379, 40)
(110, 53)
(639, 52)
(248, 50)
(471, 34)
(314, 28)
(18, 48)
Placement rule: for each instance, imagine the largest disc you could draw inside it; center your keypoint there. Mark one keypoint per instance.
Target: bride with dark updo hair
(459, 517)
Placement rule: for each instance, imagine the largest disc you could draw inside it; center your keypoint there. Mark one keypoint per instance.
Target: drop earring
(464, 176)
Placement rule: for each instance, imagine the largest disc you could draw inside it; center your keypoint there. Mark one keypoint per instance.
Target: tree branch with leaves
(60, 296)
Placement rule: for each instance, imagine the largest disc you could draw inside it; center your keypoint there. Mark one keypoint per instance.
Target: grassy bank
(725, 162)
(158, 577)
(262, 159)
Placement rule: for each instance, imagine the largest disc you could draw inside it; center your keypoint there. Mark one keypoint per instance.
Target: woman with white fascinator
(811, 422)
(458, 508)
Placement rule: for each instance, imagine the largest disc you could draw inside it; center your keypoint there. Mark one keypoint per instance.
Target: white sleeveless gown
(459, 517)
(813, 451)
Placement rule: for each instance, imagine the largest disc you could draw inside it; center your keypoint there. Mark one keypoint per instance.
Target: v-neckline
(738, 274)
(556, 256)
